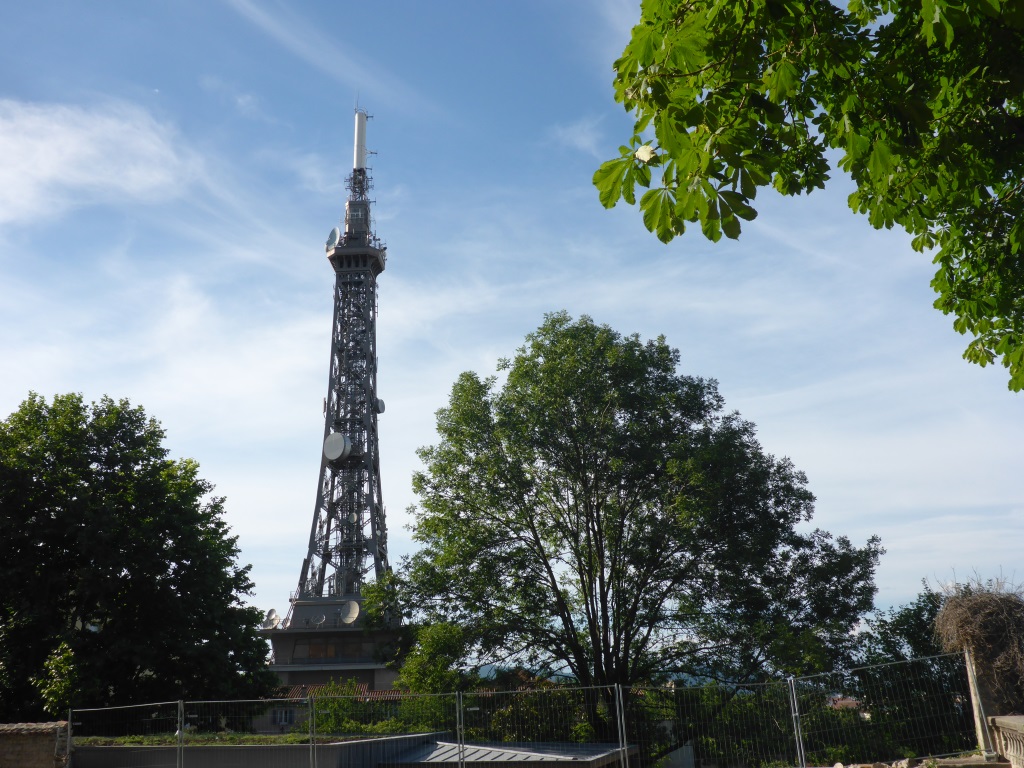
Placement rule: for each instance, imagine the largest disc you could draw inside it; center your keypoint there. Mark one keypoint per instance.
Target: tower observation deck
(325, 635)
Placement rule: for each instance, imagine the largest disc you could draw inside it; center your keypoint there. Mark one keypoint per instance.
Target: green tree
(922, 101)
(120, 580)
(432, 665)
(600, 516)
(904, 632)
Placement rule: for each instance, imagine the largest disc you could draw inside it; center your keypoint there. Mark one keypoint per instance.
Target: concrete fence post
(979, 699)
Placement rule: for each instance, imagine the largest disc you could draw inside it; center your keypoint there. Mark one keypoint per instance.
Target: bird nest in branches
(987, 618)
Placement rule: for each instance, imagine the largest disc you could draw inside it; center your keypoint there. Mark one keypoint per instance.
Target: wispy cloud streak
(327, 55)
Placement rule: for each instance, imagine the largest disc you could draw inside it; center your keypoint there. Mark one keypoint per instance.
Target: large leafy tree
(921, 102)
(119, 578)
(600, 515)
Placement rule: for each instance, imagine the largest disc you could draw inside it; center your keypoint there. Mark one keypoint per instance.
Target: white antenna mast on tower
(359, 154)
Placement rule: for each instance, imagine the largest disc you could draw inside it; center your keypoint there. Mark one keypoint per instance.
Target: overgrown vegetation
(343, 709)
(987, 618)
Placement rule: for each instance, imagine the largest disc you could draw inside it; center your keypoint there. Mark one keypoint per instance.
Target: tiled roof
(317, 689)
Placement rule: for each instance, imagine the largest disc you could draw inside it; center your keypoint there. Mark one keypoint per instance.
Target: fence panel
(711, 725)
(555, 714)
(262, 733)
(377, 728)
(140, 736)
(887, 712)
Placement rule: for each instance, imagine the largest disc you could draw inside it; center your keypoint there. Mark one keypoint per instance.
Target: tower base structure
(325, 639)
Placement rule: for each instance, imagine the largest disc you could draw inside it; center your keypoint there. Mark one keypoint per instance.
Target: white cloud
(314, 173)
(247, 104)
(582, 135)
(54, 156)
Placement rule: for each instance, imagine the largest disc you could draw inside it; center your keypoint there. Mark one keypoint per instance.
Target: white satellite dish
(332, 239)
(349, 612)
(272, 620)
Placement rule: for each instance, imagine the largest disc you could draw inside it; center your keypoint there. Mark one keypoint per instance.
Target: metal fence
(882, 713)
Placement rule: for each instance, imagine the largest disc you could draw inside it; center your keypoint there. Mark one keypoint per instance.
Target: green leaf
(929, 16)
(782, 81)
(658, 206)
(738, 204)
(879, 165)
(609, 177)
(747, 185)
(731, 227)
(645, 39)
(712, 229)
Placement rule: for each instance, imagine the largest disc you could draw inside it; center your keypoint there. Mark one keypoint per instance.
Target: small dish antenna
(272, 620)
(319, 620)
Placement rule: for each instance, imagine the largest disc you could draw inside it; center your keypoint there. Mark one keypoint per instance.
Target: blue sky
(169, 172)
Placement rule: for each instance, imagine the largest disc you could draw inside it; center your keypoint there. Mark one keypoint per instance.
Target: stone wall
(31, 745)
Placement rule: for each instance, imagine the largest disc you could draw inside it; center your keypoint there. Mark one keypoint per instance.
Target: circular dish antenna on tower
(333, 238)
(319, 620)
(272, 620)
(349, 612)
(337, 446)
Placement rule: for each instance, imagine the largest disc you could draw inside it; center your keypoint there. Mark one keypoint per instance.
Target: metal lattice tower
(326, 635)
(349, 535)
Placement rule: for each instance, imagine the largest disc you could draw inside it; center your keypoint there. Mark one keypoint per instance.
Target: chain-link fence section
(712, 725)
(886, 712)
(380, 727)
(146, 735)
(881, 713)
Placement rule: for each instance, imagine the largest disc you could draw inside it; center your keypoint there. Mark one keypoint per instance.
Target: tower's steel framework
(349, 534)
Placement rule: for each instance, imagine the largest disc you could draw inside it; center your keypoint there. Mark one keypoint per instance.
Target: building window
(284, 717)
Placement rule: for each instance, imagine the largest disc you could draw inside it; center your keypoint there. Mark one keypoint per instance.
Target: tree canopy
(921, 102)
(903, 632)
(600, 516)
(120, 579)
